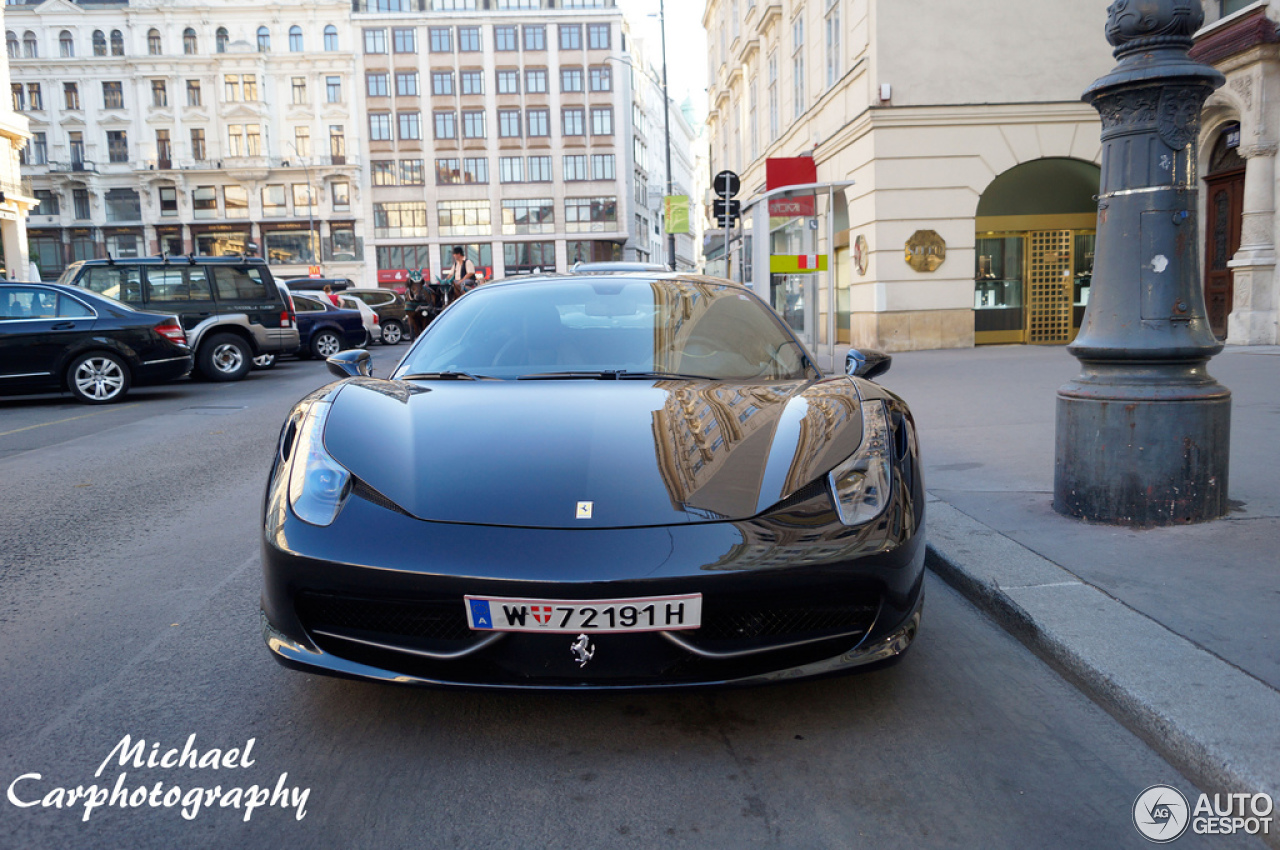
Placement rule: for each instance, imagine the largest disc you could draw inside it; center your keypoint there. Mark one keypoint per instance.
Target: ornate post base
(1142, 445)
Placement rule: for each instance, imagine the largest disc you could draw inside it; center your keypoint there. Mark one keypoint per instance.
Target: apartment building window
(475, 169)
(168, 200)
(508, 81)
(570, 79)
(153, 42)
(511, 169)
(330, 38)
(400, 220)
(117, 146)
(535, 37)
(295, 39)
(274, 201)
(504, 39)
(472, 82)
(220, 40)
(375, 41)
(123, 205)
(602, 120)
(382, 172)
(299, 90)
(75, 141)
(797, 64)
(235, 140)
(448, 171)
(572, 121)
(582, 215)
(473, 124)
(508, 123)
(773, 96)
(412, 172)
(250, 84)
(446, 125)
(481, 255)
(403, 256)
(48, 203)
(231, 88)
(528, 257)
(524, 216)
(159, 93)
(535, 81)
(66, 45)
(1228, 7)
(539, 122)
(302, 141)
(117, 43)
(164, 148)
(601, 78)
(19, 97)
(380, 126)
(376, 85)
(571, 36)
(753, 135)
(302, 198)
(598, 36)
(442, 82)
(539, 169)
(410, 125)
(341, 199)
(39, 149)
(833, 42)
(193, 92)
(34, 97)
(337, 144)
(468, 39)
(441, 39)
(264, 40)
(333, 89)
(197, 144)
(407, 83)
(204, 202)
(80, 200)
(190, 47)
(602, 166)
(575, 167)
(464, 218)
(404, 39)
(235, 202)
(112, 95)
(99, 44)
(71, 95)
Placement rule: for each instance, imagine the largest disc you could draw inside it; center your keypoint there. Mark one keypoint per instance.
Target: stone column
(1253, 268)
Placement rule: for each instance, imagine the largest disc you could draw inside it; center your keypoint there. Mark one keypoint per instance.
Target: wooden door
(1224, 195)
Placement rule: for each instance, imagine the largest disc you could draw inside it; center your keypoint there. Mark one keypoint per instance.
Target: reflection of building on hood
(830, 407)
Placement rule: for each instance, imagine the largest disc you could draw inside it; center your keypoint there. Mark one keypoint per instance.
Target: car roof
(613, 277)
(175, 260)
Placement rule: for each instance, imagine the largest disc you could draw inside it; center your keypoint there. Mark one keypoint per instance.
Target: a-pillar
(1253, 268)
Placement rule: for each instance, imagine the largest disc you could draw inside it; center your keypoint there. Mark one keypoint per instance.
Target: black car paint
(41, 350)
(347, 324)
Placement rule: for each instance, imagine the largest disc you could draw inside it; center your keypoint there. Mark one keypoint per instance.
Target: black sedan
(56, 337)
(595, 482)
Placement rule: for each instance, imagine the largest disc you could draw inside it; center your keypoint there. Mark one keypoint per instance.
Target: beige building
(972, 161)
(15, 194)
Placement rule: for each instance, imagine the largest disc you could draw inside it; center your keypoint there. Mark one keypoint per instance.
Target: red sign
(393, 275)
(804, 206)
(789, 171)
(314, 271)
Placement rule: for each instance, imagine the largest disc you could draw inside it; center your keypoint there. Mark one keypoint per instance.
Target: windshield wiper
(446, 376)
(612, 375)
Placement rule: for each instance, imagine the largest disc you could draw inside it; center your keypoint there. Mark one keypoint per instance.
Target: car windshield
(608, 328)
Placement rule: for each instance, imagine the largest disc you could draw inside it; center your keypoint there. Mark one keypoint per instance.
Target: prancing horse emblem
(582, 650)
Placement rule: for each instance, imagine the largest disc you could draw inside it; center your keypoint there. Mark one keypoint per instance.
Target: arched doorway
(1224, 208)
(1034, 252)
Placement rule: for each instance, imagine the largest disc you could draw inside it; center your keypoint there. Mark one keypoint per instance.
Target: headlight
(318, 484)
(860, 485)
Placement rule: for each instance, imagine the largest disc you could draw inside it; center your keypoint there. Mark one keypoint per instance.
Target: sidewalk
(1175, 631)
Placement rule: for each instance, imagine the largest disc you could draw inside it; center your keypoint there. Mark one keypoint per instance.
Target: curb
(1214, 722)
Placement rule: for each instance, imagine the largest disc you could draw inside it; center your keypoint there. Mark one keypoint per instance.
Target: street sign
(726, 184)
(719, 208)
(676, 209)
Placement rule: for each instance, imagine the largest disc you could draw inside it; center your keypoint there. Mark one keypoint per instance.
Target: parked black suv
(230, 307)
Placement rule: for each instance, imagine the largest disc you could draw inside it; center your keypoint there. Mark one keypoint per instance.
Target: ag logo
(1160, 813)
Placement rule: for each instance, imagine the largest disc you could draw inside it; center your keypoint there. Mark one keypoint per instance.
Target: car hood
(638, 453)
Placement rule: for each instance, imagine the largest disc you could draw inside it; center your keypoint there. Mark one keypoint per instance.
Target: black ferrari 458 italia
(609, 481)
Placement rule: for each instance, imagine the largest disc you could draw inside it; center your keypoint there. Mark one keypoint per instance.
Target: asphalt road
(129, 580)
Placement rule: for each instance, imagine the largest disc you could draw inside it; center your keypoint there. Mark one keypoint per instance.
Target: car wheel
(225, 357)
(325, 344)
(265, 361)
(392, 333)
(98, 378)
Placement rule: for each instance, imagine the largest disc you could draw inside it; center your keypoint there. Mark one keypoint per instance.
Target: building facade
(190, 127)
(501, 128)
(15, 193)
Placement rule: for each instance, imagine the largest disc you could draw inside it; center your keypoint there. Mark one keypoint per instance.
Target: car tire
(98, 377)
(325, 344)
(392, 332)
(224, 357)
(264, 361)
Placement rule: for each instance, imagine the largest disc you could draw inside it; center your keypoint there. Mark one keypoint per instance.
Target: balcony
(75, 166)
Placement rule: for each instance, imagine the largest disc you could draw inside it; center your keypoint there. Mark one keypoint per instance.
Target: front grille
(785, 623)
(432, 620)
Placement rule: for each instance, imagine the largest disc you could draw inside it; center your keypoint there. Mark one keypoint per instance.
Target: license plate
(646, 614)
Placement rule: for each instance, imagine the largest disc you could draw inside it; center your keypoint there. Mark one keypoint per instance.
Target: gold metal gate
(1049, 301)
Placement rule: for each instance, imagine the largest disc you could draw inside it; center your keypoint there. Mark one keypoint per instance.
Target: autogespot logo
(1160, 813)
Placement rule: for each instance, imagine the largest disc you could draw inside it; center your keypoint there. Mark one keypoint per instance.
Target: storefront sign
(789, 171)
(797, 263)
(925, 251)
(804, 206)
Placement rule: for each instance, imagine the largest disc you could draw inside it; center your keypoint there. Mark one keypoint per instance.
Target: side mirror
(866, 364)
(353, 363)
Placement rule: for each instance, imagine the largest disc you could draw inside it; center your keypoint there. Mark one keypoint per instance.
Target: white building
(15, 193)
(185, 126)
